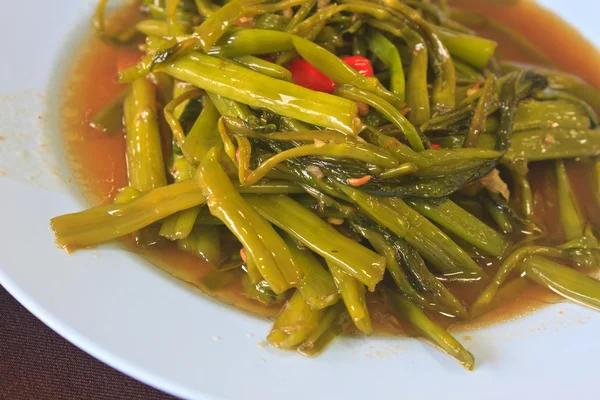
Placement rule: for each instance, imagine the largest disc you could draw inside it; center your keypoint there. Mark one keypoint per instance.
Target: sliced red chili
(304, 74)
(359, 63)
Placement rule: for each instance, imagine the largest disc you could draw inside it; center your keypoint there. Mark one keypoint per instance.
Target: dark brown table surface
(37, 363)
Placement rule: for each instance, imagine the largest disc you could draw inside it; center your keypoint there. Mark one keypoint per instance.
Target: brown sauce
(98, 161)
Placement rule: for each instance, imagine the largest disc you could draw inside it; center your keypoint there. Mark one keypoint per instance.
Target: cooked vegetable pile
(346, 147)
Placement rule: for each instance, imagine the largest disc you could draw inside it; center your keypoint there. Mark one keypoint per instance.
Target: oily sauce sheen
(98, 160)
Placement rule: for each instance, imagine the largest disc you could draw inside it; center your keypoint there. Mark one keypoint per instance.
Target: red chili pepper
(359, 63)
(304, 74)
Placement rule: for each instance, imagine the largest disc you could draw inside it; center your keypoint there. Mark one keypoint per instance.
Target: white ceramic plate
(142, 322)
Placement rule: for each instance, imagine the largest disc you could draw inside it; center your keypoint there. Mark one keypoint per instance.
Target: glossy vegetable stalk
(175, 27)
(110, 118)
(331, 325)
(230, 108)
(126, 195)
(264, 67)
(295, 322)
(204, 134)
(353, 295)
(553, 144)
(253, 41)
(104, 223)
(173, 120)
(408, 312)
(121, 36)
(386, 109)
(253, 273)
(221, 20)
(499, 215)
(484, 299)
(417, 94)
(474, 50)
(570, 215)
(453, 218)
(324, 14)
(270, 253)
(317, 288)
(445, 255)
(565, 281)
(442, 96)
(480, 114)
(180, 225)
(152, 27)
(388, 53)
(358, 261)
(540, 145)
(204, 243)
(412, 276)
(258, 90)
(145, 165)
(301, 14)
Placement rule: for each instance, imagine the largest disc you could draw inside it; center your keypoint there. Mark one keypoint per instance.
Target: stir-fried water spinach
(353, 149)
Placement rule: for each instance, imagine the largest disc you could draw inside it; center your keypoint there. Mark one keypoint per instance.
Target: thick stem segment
(388, 53)
(515, 259)
(104, 223)
(565, 281)
(270, 253)
(295, 322)
(445, 255)
(145, 164)
(356, 260)
(453, 218)
(353, 295)
(408, 312)
(257, 90)
(570, 215)
(317, 287)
